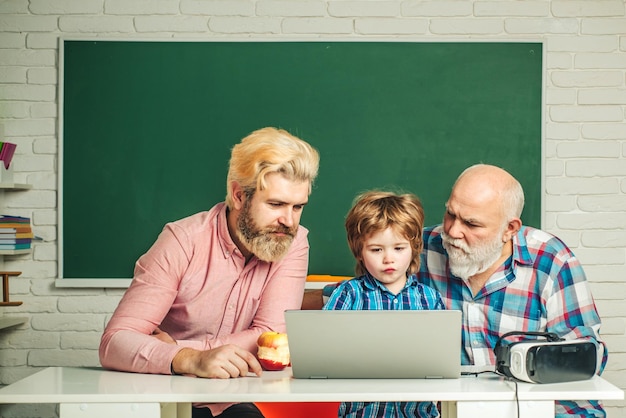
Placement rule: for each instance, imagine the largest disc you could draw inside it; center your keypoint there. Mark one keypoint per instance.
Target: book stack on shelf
(15, 233)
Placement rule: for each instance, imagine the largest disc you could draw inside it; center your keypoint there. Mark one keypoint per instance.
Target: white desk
(95, 393)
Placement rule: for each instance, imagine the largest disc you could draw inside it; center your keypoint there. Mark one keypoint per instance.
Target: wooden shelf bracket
(5, 288)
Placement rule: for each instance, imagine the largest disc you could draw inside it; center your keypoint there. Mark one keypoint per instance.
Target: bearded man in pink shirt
(214, 281)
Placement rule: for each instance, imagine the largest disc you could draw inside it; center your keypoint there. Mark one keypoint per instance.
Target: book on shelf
(9, 219)
(14, 225)
(15, 240)
(15, 246)
(13, 231)
(14, 235)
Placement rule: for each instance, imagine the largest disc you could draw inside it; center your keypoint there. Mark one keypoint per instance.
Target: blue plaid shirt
(367, 293)
(541, 287)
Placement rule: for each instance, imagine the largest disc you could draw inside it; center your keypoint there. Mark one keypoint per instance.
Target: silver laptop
(374, 344)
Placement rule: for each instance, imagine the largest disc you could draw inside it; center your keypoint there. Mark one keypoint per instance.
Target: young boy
(385, 235)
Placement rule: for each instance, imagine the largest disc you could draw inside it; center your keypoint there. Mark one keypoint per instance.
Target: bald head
(488, 184)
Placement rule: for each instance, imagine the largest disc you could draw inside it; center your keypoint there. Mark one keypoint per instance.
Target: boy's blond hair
(375, 211)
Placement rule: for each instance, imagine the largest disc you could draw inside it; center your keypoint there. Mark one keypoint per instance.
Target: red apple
(273, 350)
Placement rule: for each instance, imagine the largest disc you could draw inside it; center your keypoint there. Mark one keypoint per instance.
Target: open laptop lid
(374, 344)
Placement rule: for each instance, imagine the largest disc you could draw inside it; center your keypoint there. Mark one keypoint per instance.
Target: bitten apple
(273, 350)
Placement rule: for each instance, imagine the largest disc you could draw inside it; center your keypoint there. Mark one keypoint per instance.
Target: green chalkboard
(147, 128)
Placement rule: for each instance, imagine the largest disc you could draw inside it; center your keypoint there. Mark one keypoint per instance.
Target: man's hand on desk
(221, 362)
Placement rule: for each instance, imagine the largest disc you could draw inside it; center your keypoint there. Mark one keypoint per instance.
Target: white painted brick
(589, 256)
(617, 361)
(34, 199)
(171, 24)
(608, 291)
(42, 76)
(583, 8)
(93, 24)
(29, 339)
(81, 340)
(587, 78)
(604, 131)
(267, 25)
(560, 203)
(606, 273)
(305, 8)
(602, 96)
(391, 26)
(541, 26)
(14, 6)
(586, 149)
(44, 145)
(22, 23)
(516, 8)
(317, 25)
(12, 357)
(59, 7)
(596, 168)
(563, 131)
(559, 61)
(27, 92)
(363, 8)
(604, 239)
(607, 220)
(45, 252)
(17, 110)
(42, 41)
(12, 40)
(43, 110)
(30, 127)
(583, 44)
(44, 217)
(66, 322)
(609, 203)
(46, 287)
(600, 60)
(28, 57)
(560, 96)
(610, 309)
(142, 7)
(483, 26)
(93, 304)
(436, 8)
(603, 26)
(581, 186)
(67, 358)
(615, 326)
(586, 113)
(217, 7)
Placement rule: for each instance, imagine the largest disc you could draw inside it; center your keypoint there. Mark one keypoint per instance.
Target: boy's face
(387, 255)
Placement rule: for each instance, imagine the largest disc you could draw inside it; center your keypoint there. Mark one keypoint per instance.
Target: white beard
(465, 261)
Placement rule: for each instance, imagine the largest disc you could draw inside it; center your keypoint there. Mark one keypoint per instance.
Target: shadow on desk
(298, 409)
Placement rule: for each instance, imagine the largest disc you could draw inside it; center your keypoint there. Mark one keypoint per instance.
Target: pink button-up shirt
(194, 284)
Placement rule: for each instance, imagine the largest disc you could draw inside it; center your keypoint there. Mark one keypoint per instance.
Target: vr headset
(553, 360)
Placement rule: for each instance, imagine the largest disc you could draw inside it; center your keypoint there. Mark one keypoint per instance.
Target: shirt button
(395, 301)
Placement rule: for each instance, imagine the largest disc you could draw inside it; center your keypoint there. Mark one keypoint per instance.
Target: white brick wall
(585, 134)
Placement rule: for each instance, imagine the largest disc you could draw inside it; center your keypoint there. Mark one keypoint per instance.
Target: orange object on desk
(298, 409)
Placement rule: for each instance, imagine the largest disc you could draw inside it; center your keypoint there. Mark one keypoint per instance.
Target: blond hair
(375, 211)
(270, 150)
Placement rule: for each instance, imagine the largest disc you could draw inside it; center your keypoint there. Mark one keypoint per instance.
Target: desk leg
(499, 409)
(175, 410)
(109, 410)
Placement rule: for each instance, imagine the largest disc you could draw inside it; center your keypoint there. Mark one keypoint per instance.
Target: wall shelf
(10, 321)
(16, 186)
